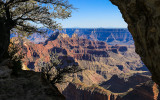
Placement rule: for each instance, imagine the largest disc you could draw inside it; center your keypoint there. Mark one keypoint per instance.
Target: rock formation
(101, 60)
(96, 56)
(26, 85)
(120, 85)
(78, 91)
(143, 18)
(145, 91)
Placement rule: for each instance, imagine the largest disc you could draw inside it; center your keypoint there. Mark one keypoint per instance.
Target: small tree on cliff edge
(23, 16)
(56, 69)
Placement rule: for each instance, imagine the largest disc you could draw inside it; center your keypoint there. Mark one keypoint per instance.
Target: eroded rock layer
(145, 91)
(112, 71)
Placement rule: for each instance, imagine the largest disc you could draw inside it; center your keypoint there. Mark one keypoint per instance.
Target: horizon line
(100, 27)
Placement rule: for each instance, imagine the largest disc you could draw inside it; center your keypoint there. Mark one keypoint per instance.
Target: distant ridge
(112, 36)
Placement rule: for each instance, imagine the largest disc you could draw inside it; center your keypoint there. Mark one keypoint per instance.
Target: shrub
(15, 56)
(53, 70)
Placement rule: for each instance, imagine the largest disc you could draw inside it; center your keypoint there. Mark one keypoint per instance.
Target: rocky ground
(25, 85)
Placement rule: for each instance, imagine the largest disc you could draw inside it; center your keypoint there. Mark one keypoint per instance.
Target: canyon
(143, 20)
(106, 66)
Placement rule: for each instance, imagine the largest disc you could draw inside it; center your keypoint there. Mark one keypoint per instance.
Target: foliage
(26, 16)
(53, 70)
(15, 56)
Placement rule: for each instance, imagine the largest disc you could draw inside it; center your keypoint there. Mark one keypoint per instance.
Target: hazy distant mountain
(111, 36)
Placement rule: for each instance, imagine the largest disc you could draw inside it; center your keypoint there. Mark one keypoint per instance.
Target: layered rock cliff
(120, 85)
(79, 91)
(97, 56)
(145, 91)
(101, 60)
(143, 18)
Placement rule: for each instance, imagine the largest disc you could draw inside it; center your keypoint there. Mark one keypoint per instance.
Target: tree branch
(25, 14)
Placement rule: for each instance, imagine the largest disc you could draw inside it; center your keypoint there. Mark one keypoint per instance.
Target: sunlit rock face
(77, 91)
(97, 56)
(145, 91)
(102, 63)
(143, 18)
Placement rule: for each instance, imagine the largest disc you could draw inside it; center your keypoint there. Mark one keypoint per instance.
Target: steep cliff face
(143, 18)
(145, 91)
(78, 91)
(120, 85)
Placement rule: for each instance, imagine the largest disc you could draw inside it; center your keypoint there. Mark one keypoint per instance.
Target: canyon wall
(79, 92)
(145, 91)
(143, 18)
(102, 61)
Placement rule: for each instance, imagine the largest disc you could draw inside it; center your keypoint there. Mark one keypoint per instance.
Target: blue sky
(94, 14)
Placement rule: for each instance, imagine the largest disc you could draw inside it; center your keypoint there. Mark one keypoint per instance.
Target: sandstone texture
(143, 18)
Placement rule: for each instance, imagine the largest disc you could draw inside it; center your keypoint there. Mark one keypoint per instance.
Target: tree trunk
(4, 40)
